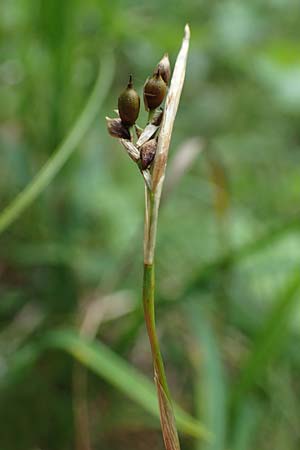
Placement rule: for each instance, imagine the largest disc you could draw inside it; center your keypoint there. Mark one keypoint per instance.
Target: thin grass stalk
(167, 418)
(154, 175)
(148, 296)
(152, 201)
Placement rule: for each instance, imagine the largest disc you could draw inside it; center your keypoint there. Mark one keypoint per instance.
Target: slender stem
(152, 201)
(148, 299)
(167, 418)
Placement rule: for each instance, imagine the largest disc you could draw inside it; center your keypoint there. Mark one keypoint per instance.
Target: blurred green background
(228, 245)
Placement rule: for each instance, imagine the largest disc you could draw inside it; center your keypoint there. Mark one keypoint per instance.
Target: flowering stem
(152, 201)
(148, 299)
(148, 293)
(167, 419)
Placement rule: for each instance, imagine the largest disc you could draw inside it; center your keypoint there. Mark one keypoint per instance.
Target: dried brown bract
(164, 68)
(117, 129)
(147, 153)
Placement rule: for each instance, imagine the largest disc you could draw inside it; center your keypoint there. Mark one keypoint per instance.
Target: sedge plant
(148, 148)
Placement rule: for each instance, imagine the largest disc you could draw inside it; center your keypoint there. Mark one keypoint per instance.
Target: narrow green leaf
(103, 361)
(246, 425)
(59, 157)
(270, 339)
(210, 381)
(206, 272)
(109, 366)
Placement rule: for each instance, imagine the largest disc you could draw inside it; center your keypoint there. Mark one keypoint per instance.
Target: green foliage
(71, 226)
(101, 360)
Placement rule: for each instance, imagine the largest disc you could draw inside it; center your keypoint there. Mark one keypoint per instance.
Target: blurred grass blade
(206, 272)
(245, 429)
(103, 361)
(270, 339)
(210, 382)
(65, 150)
(109, 366)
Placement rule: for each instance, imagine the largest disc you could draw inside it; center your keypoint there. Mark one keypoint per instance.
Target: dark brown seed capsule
(154, 91)
(116, 128)
(129, 104)
(147, 153)
(164, 68)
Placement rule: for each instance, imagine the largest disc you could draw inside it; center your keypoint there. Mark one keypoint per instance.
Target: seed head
(164, 68)
(154, 91)
(129, 104)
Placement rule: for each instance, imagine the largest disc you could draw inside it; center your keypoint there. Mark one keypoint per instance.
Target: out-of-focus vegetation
(228, 244)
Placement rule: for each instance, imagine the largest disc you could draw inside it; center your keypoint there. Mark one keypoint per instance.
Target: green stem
(65, 150)
(167, 418)
(152, 200)
(149, 312)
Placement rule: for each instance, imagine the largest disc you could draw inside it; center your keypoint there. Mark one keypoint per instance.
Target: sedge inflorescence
(141, 143)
